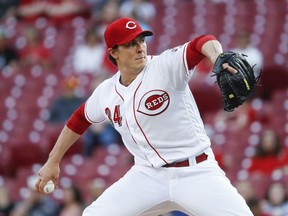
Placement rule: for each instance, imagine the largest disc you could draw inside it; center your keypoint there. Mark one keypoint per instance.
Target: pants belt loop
(192, 161)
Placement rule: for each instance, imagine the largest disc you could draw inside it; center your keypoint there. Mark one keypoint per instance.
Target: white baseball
(49, 187)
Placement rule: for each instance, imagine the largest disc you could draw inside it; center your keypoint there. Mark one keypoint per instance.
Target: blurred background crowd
(52, 56)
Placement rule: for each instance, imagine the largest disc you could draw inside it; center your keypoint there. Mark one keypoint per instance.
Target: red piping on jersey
(134, 139)
(183, 58)
(87, 117)
(130, 132)
(127, 123)
(134, 112)
(126, 119)
(118, 93)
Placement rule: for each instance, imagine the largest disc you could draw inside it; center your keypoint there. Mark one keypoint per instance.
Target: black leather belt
(200, 158)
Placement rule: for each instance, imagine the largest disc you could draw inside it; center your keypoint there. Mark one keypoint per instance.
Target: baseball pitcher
(149, 102)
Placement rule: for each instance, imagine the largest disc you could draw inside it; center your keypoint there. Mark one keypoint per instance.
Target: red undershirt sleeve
(194, 54)
(78, 122)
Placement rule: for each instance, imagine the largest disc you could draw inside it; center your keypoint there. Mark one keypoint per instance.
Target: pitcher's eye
(135, 42)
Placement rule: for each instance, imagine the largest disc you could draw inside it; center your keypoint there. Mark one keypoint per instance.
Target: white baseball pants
(198, 190)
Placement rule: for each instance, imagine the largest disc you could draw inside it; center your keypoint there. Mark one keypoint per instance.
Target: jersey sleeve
(77, 122)
(89, 112)
(178, 63)
(194, 54)
(93, 111)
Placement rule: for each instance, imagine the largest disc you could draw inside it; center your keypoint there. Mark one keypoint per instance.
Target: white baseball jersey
(156, 114)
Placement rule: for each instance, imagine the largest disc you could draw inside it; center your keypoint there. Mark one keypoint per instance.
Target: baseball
(49, 187)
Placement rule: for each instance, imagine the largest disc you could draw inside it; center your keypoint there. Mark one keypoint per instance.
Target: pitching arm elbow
(212, 49)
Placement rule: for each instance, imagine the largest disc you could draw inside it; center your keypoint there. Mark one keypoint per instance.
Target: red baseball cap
(122, 31)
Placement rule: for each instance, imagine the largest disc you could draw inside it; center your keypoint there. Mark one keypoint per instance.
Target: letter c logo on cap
(131, 25)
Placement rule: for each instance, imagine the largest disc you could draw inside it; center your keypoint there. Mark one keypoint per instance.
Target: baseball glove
(235, 88)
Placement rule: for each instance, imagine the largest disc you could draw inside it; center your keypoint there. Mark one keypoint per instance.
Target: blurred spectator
(8, 54)
(240, 118)
(63, 106)
(35, 204)
(246, 190)
(34, 51)
(95, 188)
(143, 23)
(103, 16)
(254, 55)
(267, 155)
(88, 57)
(72, 203)
(276, 202)
(255, 206)
(143, 9)
(100, 19)
(8, 8)
(223, 159)
(6, 204)
(99, 135)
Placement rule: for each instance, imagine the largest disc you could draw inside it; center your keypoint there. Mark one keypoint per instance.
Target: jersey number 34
(117, 118)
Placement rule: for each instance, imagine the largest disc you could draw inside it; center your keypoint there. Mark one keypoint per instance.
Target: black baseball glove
(235, 88)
